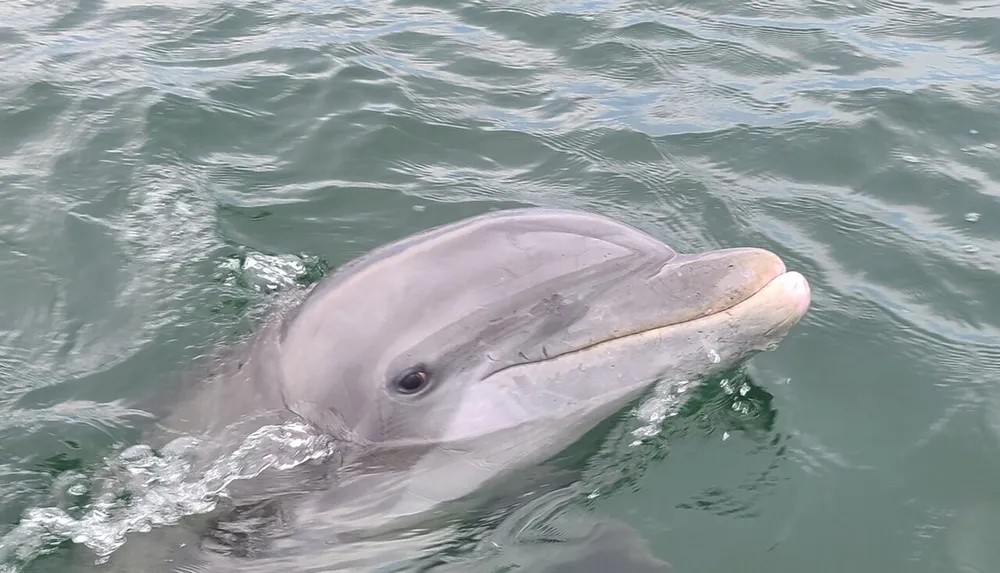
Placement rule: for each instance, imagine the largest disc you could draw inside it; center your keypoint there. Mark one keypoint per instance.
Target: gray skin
(526, 329)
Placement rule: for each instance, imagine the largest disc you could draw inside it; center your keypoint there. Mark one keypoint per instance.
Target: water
(165, 167)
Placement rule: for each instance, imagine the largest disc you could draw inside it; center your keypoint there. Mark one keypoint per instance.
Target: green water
(149, 150)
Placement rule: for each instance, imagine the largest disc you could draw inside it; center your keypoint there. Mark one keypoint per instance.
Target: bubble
(972, 217)
(79, 489)
(667, 398)
(420, 208)
(714, 356)
(726, 386)
(974, 131)
(137, 454)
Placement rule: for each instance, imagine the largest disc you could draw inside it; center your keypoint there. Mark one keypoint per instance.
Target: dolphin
(455, 359)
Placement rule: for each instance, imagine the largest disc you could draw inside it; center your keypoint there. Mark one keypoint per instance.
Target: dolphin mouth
(783, 296)
(769, 301)
(750, 276)
(735, 299)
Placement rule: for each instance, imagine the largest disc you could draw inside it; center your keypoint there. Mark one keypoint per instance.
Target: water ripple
(143, 143)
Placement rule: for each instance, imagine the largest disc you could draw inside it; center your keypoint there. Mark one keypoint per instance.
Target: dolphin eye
(412, 381)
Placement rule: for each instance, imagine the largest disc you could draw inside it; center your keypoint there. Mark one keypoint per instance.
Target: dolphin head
(499, 340)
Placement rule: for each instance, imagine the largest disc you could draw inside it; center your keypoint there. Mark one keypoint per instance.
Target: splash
(666, 401)
(149, 489)
(270, 273)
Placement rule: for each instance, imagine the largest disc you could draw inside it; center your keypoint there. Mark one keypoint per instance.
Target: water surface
(165, 166)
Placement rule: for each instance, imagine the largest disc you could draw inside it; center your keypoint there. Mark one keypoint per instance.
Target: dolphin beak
(729, 295)
(763, 274)
(698, 285)
(796, 288)
(749, 284)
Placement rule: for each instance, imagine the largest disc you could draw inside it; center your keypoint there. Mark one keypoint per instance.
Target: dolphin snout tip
(797, 288)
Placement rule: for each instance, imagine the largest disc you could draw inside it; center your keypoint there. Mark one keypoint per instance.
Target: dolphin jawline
(798, 287)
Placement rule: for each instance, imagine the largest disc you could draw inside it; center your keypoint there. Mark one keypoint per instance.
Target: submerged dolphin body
(451, 359)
